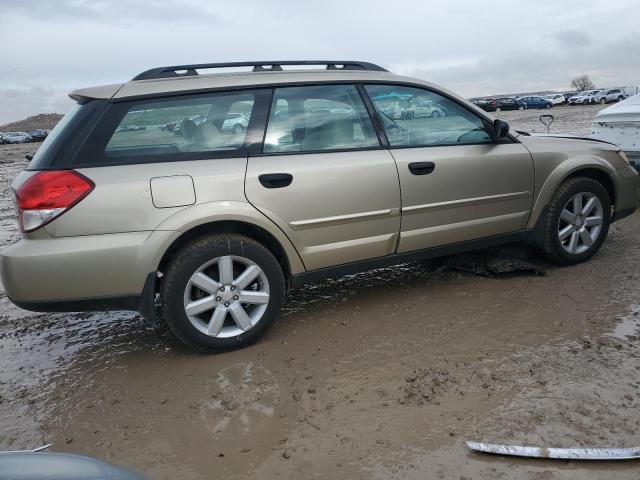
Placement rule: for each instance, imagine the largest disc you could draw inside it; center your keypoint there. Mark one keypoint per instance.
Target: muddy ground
(381, 375)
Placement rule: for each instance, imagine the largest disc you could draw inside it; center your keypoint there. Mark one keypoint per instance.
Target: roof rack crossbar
(274, 66)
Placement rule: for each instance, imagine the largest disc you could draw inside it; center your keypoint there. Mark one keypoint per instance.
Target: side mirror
(500, 130)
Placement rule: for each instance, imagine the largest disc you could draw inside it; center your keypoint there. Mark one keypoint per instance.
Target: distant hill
(42, 120)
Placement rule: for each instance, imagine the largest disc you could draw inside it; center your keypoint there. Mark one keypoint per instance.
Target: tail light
(47, 195)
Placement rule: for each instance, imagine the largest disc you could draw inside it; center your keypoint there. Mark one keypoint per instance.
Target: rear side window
(213, 123)
(318, 118)
(441, 122)
(176, 128)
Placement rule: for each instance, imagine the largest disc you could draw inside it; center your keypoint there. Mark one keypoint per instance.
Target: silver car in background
(609, 96)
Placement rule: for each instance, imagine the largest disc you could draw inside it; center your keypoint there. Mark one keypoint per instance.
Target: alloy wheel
(580, 222)
(226, 296)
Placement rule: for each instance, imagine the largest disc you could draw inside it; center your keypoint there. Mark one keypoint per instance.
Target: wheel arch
(250, 230)
(193, 223)
(597, 172)
(601, 176)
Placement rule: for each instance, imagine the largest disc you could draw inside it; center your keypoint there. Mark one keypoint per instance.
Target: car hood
(545, 142)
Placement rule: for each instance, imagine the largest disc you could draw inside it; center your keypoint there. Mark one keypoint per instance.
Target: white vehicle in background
(583, 98)
(16, 137)
(630, 91)
(620, 124)
(556, 98)
(609, 96)
(235, 122)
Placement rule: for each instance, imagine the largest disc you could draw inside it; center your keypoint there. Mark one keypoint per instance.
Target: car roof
(160, 86)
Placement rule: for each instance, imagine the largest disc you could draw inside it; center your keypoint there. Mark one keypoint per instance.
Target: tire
(603, 101)
(552, 226)
(204, 255)
(498, 109)
(238, 128)
(620, 99)
(435, 114)
(522, 108)
(547, 106)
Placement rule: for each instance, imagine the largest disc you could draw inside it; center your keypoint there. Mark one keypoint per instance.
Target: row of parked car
(512, 103)
(586, 97)
(233, 123)
(597, 96)
(37, 135)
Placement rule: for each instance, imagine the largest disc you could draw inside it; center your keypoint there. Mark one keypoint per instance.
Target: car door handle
(275, 180)
(422, 168)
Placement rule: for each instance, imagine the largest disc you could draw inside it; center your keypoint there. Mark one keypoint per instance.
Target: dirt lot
(567, 120)
(381, 375)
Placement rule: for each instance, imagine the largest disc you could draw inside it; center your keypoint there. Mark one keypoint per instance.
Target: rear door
(456, 184)
(323, 177)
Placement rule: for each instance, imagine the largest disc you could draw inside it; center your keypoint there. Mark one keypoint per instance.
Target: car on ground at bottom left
(209, 230)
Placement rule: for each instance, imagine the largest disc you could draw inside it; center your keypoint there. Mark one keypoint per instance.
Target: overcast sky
(50, 47)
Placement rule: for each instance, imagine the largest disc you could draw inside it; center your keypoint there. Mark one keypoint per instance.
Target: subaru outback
(209, 229)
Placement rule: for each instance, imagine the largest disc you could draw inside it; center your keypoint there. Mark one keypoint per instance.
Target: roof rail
(274, 66)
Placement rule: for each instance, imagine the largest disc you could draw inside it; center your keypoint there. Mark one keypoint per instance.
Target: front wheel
(603, 101)
(221, 292)
(547, 106)
(576, 221)
(521, 107)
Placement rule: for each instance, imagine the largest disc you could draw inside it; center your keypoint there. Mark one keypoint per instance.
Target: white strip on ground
(559, 453)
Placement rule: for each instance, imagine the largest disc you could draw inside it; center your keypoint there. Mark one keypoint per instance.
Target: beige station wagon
(153, 196)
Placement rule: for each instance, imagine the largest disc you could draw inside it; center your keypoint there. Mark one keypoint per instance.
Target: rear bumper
(93, 272)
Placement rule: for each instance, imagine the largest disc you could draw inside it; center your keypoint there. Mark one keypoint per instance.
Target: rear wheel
(603, 101)
(576, 221)
(221, 292)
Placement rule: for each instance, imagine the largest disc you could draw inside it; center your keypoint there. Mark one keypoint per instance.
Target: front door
(456, 184)
(323, 177)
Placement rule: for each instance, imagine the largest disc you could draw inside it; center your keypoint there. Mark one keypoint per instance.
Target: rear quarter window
(172, 129)
(58, 149)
